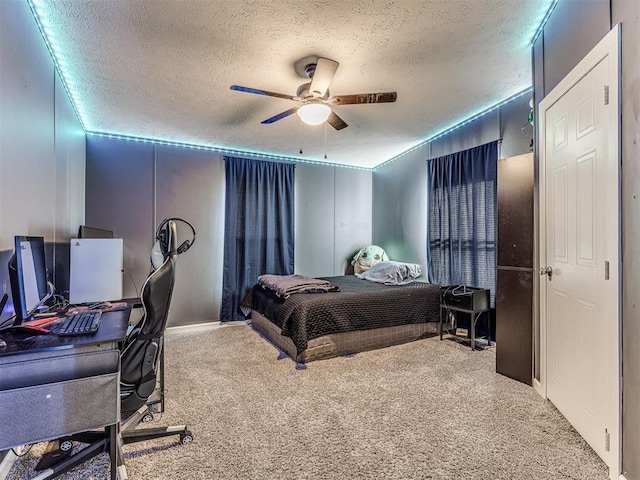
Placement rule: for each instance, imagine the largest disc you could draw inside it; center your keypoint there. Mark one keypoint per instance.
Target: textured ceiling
(162, 69)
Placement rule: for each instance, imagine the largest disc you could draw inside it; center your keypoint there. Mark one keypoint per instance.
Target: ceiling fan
(315, 98)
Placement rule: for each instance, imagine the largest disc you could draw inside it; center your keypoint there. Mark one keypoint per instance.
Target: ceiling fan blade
(359, 98)
(238, 88)
(325, 70)
(336, 122)
(280, 116)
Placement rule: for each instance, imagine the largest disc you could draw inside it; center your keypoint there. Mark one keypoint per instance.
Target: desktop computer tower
(95, 270)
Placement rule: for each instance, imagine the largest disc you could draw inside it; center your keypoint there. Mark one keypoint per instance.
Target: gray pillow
(392, 273)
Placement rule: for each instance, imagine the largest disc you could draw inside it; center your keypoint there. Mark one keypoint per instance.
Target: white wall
(42, 150)
(333, 218)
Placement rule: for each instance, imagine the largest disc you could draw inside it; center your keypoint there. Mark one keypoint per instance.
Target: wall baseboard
(199, 327)
(537, 386)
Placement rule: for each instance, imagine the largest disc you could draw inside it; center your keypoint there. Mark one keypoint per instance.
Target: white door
(580, 242)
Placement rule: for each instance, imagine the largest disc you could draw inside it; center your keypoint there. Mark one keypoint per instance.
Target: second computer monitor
(93, 232)
(28, 276)
(96, 270)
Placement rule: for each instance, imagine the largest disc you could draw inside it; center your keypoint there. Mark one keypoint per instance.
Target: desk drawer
(57, 393)
(52, 410)
(18, 371)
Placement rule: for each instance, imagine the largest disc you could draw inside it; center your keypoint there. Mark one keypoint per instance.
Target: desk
(53, 386)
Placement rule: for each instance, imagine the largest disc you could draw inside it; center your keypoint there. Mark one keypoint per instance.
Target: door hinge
(606, 270)
(607, 441)
(606, 94)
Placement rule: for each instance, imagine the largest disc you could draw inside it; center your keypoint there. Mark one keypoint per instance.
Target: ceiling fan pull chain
(325, 140)
(300, 137)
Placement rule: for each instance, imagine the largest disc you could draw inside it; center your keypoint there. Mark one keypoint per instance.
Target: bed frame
(344, 343)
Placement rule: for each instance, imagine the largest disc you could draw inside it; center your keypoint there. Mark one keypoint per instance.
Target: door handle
(548, 271)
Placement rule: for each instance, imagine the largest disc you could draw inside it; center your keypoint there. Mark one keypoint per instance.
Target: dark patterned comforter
(359, 305)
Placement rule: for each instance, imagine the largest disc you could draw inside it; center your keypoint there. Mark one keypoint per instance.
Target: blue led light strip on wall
(544, 21)
(222, 150)
(54, 50)
(456, 126)
(49, 39)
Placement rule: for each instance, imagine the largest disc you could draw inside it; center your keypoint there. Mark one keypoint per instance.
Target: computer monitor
(28, 276)
(93, 232)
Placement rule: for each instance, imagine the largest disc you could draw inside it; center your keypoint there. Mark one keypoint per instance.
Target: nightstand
(471, 300)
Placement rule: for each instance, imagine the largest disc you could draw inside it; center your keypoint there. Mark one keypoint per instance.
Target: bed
(362, 315)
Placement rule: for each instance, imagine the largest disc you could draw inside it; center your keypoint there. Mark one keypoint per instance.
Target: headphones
(166, 238)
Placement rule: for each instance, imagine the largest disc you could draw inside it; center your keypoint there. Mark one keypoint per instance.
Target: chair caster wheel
(66, 445)
(148, 417)
(186, 437)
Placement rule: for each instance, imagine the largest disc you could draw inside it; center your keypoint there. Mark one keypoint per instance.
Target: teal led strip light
(456, 126)
(544, 21)
(223, 150)
(63, 73)
(61, 66)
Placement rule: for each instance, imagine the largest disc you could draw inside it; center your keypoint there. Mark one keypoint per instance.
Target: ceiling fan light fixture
(315, 96)
(314, 113)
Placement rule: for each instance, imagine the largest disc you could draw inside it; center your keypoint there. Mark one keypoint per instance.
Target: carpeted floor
(424, 410)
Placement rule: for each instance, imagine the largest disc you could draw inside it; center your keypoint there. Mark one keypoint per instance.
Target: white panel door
(581, 245)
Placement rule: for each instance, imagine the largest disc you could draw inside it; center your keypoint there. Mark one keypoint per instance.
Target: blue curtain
(258, 227)
(461, 226)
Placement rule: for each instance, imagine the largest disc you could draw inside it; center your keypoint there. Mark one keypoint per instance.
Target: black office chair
(142, 367)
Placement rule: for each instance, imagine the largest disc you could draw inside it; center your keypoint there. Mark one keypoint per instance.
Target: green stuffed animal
(367, 257)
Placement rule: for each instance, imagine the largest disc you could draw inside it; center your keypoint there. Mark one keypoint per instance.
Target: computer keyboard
(81, 323)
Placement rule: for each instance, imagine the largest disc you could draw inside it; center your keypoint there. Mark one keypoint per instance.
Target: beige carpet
(424, 410)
